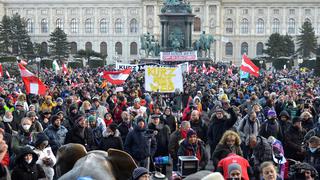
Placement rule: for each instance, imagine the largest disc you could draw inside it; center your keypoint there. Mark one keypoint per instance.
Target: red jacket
(234, 158)
(6, 160)
(118, 111)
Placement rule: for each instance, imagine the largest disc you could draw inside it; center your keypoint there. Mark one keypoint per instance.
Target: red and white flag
(1, 70)
(230, 71)
(248, 66)
(8, 75)
(23, 62)
(195, 70)
(190, 68)
(204, 68)
(117, 77)
(32, 83)
(64, 69)
(212, 69)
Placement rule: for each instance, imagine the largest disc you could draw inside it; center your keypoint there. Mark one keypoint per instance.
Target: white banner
(163, 79)
(179, 56)
(184, 67)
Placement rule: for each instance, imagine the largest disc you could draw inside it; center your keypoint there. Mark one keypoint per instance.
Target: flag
(64, 69)
(195, 70)
(244, 75)
(248, 66)
(229, 71)
(55, 66)
(23, 62)
(8, 75)
(117, 77)
(212, 69)
(32, 83)
(189, 68)
(204, 68)
(1, 71)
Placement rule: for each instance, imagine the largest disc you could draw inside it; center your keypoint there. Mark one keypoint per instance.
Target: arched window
(74, 26)
(133, 26)
(229, 26)
(73, 48)
(260, 26)
(88, 46)
(244, 48)
(229, 49)
(197, 24)
(118, 48)
(103, 49)
(259, 48)
(133, 48)
(44, 26)
(276, 26)
(291, 26)
(88, 26)
(118, 26)
(30, 28)
(244, 26)
(59, 23)
(44, 49)
(103, 26)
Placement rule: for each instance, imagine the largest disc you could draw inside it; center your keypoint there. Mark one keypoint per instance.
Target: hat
(191, 132)
(73, 107)
(219, 109)
(154, 116)
(138, 172)
(139, 118)
(59, 99)
(93, 110)
(92, 118)
(137, 100)
(40, 138)
(19, 103)
(296, 119)
(113, 127)
(234, 166)
(31, 114)
(272, 113)
(94, 99)
(59, 112)
(78, 118)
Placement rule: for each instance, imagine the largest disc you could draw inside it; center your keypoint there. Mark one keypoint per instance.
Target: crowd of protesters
(254, 128)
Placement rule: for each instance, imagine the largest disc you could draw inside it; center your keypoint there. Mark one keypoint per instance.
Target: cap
(296, 119)
(31, 114)
(19, 103)
(40, 138)
(272, 113)
(92, 118)
(139, 118)
(191, 132)
(234, 166)
(154, 116)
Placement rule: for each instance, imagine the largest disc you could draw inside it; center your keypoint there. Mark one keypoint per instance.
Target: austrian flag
(116, 77)
(31, 82)
(248, 66)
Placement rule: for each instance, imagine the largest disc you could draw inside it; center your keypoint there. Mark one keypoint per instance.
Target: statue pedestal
(177, 26)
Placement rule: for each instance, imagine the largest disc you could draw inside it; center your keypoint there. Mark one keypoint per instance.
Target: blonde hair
(228, 133)
(22, 97)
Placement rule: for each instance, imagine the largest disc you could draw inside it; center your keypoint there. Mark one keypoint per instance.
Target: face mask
(29, 161)
(312, 149)
(26, 127)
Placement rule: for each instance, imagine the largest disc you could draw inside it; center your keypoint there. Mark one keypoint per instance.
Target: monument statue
(203, 44)
(176, 6)
(150, 45)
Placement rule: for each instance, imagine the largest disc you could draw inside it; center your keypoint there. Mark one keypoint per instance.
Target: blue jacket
(56, 136)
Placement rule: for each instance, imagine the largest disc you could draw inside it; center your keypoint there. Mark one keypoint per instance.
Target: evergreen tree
(307, 41)
(59, 46)
(5, 34)
(275, 46)
(21, 43)
(288, 46)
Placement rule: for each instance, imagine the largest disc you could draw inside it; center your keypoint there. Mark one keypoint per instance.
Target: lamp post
(38, 61)
(260, 62)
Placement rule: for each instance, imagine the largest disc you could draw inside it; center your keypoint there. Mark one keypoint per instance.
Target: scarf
(183, 134)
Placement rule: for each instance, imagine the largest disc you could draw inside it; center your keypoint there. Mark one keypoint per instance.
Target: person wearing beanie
(235, 166)
(35, 123)
(284, 121)
(293, 142)
(81, 134)
(112, 139)
(271, 127)
(25, 166)
(56, 133)
(45, 118)
(59, 107)
(313, 153)
(168, 119)
(18, 114)
(140, 173)
(119, 108)
(97, 130)
(137, 143)
(192, 146)
(46, 157)
(73, 112)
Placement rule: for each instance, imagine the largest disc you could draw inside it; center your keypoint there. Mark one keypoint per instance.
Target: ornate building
(114, 26)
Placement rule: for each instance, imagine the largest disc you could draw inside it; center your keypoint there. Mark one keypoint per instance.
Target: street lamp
(38, 61)
(260, 62)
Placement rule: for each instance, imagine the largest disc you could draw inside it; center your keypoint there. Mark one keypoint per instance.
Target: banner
(163, 79)
(184, 67)
(179, 56)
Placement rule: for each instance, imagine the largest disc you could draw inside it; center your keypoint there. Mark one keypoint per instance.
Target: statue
(203, 44)
(176, 6)
(150, 45)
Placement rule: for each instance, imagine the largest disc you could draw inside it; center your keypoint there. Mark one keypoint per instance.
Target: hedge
(75, 64)
(8, 59)
(96, 63)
